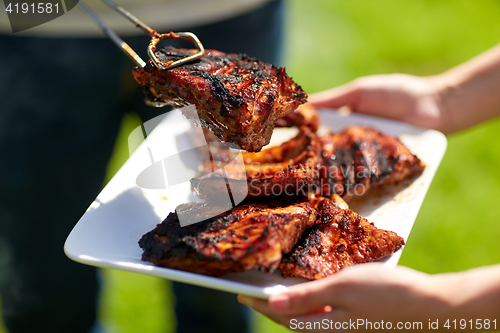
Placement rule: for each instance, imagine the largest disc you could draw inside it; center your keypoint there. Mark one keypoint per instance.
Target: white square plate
(108, 233)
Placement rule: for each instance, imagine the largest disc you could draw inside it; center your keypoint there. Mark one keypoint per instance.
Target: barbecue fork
(155, 39)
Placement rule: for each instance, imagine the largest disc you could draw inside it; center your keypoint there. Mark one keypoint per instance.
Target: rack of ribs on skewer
(237, 97)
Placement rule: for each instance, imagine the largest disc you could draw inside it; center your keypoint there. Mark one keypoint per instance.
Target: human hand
(368, 292)
(416, 100)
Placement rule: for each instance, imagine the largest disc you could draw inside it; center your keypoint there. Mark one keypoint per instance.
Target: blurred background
(329, 43)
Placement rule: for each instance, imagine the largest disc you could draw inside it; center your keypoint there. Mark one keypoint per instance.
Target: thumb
(336, 97)
(305, 298)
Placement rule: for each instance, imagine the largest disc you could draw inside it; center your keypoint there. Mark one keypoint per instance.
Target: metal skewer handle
(155, 38)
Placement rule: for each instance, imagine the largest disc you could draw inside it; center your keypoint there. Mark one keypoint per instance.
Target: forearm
(472, 295)
(481, 291)
(471, 91)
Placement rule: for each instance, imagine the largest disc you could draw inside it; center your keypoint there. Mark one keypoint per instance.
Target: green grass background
(330, 42)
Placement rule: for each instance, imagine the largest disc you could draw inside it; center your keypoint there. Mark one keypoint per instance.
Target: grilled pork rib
(339, 239)
(288, 182)
(244, 238)
(361, 157)
(237, 97)
(348, 163)
(304, 115)
(286, 169)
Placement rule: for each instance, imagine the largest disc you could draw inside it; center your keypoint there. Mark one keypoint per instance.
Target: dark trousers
(61, 104)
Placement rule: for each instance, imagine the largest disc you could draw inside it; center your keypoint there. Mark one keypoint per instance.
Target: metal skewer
(155, 39)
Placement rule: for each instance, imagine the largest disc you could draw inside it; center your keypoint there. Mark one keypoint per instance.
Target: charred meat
(287, 182)
(304, 115)
(339, 239)
(361, 157)
(291, 216)
(286, 169)
(244, 238)
(237, 97)
(347, 163)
